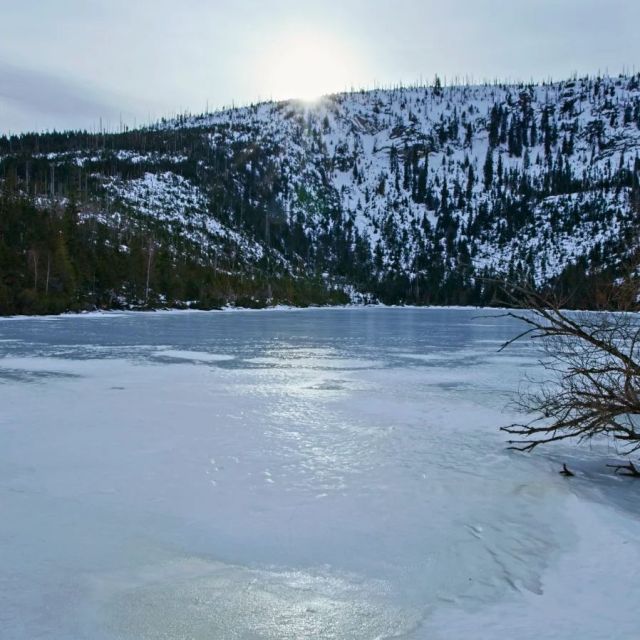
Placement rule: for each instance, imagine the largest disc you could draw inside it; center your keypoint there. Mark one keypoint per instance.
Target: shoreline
(105, 313)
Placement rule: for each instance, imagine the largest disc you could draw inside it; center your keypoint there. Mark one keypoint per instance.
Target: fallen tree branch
(630, 470)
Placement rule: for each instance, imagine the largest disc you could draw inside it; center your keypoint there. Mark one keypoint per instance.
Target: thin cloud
(41, 97)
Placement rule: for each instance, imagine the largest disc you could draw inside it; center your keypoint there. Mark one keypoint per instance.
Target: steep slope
(408, 193)
(528, 178)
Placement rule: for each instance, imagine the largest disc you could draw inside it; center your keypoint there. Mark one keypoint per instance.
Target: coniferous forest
(420, 195)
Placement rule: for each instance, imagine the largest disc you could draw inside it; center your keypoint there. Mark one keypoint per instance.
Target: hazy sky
(68, 63)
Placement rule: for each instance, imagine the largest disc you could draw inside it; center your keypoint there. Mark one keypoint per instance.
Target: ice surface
(294, 474)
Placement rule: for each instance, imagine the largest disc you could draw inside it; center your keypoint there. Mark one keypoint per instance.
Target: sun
(306, 65)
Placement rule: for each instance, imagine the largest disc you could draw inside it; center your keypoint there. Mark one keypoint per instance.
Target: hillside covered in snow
(410, 195)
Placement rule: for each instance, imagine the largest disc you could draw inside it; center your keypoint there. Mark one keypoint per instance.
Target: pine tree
(494, 125)
(635, 197)
(470, 182)
(421, 191)
(488, 169)
(437, 86)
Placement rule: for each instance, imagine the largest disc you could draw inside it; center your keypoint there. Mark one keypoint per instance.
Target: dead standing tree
(593, 385)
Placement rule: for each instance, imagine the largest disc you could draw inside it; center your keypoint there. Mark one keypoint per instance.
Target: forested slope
(410, 195)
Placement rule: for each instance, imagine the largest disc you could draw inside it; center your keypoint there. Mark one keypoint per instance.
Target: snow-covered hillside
(408, 192)
(401, 160)
(180, 206)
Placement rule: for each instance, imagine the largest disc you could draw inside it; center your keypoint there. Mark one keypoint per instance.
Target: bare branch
(594, 367)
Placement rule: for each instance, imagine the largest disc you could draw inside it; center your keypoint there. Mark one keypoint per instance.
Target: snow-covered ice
(295, 474)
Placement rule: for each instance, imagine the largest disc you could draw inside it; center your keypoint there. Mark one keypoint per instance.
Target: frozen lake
(295, 474)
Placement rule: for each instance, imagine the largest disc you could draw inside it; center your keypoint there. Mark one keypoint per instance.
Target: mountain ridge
(417, 195)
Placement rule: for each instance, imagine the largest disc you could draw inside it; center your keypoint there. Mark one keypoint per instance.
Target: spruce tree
(488, 169)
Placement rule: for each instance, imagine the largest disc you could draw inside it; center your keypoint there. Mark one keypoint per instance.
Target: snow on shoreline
(114, 313)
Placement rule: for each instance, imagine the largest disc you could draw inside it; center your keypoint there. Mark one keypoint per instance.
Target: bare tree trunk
(34, 257)
(149, 255)
(46, 287)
